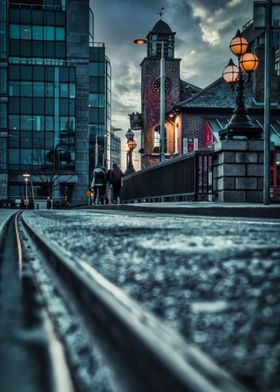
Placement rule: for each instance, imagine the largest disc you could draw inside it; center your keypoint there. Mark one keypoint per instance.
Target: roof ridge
(201, 92)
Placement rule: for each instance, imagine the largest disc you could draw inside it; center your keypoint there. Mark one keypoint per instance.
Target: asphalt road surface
(214, 280)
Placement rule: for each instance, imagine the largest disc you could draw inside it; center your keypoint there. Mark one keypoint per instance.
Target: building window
(26, 157)
(3, 42)
(64, 90)
(26, 139)
(97, 100)
(38, 89)
(26, 123)
(49, 123)
(14, 88)
(3, 115)
(14, 107)
(60, 33)
(26, 105)
(26, 72)
(14, 138)
(26, 89)
(157, 140)
(72, 90)
(49, 33)
(14, 122)
(25, 32)
(14, 156)
(14, 72)
(37, 33)
(15, 31)
(96, 69)
(49, 89)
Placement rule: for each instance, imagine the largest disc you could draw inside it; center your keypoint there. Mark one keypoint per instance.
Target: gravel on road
(216, 281)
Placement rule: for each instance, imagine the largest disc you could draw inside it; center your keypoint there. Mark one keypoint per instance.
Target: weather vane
(161, 12)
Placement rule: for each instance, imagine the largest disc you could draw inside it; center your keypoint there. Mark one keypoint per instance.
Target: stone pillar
(78, 54)
(238, 171)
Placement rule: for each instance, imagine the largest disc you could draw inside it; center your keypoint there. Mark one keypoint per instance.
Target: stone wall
(238, 171)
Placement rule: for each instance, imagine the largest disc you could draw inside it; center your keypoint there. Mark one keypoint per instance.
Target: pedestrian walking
(49, 203)
(116, 181)
(108, 187)
(99, 184)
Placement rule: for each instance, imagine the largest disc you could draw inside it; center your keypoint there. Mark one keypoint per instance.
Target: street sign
(135, 121)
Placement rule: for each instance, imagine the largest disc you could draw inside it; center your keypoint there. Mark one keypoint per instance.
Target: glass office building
(99, 107)
(48, 92)
(115, 149)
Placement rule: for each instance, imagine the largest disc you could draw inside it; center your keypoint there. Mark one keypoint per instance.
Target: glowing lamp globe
(238, 44)
(231, 72)
(132, 144)
(140, 41)
(249, 62)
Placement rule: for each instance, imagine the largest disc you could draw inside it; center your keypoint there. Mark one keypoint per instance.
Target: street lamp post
(142, 41)
(266, 172)
(162, 101)
(131, 143)
(240, 123)
(26, 178)
(267, 18)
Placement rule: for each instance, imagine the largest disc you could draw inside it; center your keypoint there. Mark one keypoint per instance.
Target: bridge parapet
(188, 177)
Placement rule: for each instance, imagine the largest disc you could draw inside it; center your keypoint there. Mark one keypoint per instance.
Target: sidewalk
(203, 208)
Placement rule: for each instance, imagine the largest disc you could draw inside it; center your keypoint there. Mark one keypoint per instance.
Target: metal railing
(187, 177)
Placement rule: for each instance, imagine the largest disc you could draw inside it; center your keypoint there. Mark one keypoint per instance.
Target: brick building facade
(175, 91)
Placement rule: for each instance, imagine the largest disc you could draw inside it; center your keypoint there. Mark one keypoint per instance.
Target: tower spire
(161, 12)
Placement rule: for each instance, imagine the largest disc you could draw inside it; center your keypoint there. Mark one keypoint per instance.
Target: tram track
(27, 338)
(142, 354)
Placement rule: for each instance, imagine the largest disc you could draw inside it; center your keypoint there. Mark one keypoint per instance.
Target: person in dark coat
(108, 187)
(99, 183)
(49, 203)
(116, 181)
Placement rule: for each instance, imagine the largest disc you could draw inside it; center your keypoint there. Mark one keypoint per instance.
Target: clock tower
(150, 92)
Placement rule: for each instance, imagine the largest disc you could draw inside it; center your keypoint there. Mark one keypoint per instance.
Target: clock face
(156, 85)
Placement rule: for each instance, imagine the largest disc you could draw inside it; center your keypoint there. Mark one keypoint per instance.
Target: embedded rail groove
(27, 337)
(144, 355)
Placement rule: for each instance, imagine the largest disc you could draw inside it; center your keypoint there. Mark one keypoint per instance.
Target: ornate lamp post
(26, 178)
(131, 143)
(237, 76)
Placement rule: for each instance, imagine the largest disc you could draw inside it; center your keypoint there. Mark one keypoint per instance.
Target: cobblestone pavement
(216, 281)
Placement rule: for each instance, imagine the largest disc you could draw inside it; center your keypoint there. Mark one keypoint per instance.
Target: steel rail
(56, 367)
(145, 355)
(19, 246)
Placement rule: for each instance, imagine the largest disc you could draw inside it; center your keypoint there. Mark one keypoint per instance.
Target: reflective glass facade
(99, 108)
(52, 88)
(41, 118)
(37, 33)
(3, 98)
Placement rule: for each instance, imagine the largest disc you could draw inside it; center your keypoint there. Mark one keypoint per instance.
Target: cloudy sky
(203, 29)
